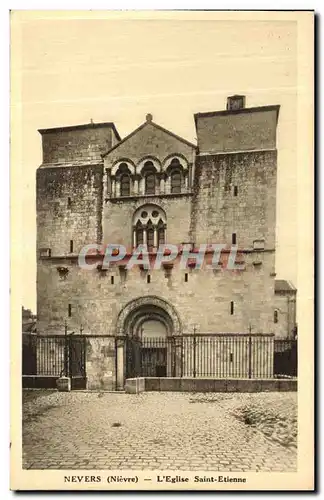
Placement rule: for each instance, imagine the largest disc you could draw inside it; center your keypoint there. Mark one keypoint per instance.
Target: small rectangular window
(71, 246)
(69, 202)
(112, 280)
(69, 310)
(235, 190)
(186, 277)
(45, 252)
(232, 307)
(233, 238)
(275, 316)
(148, 278)
(258, 245)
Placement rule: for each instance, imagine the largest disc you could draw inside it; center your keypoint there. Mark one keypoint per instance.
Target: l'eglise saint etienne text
(200, 479)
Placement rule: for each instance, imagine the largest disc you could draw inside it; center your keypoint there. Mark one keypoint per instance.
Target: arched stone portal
(145, 330)
(150, 305)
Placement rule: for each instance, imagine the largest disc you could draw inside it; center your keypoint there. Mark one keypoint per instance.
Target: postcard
(162, 250)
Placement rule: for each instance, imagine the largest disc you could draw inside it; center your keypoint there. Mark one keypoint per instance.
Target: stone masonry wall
(217, 212)
(100, 363)
(117, 227)
(69, 145)
(247, 129)
(203, 301)
(69, 207)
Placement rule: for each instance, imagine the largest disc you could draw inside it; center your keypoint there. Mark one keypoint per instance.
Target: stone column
(113, 187)
(163, 178)
(167, 185)
(141, 186)
(134, 238)
(165, 233)
(144, 236)
(157, 185)
(121, 356)
(155, 241)
(107, 185)
(135, 186)
(185, 181)
(162, 185)
(117, 187)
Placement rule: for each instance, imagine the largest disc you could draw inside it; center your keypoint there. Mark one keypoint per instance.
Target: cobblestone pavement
(174, 431)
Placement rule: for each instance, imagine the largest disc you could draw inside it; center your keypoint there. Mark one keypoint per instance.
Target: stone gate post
(121, 357)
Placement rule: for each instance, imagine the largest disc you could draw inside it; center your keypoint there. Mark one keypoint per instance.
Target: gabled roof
(149, 122)
(284, 286)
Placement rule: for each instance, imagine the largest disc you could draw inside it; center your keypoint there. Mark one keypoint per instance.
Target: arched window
(176, 181)
(150, 235)
(161, 233)
(275, 316)
(175, 163)
(139, 233)
(149, 173)
(150, 183)
(125, 185)
(121, 179)
(149, 224)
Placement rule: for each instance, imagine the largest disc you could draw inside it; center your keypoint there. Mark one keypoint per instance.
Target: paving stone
(159, 431)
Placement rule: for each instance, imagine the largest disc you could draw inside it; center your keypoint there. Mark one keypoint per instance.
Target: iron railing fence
(53, 355)
(200, 355)
(205, 355)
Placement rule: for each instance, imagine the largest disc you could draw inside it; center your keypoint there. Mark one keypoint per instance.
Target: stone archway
(148, 305)
(129, 329)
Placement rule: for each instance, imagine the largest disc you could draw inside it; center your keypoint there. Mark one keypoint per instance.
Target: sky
(70, 71)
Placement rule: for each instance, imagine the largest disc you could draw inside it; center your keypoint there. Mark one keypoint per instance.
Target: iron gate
(49, 357)
(285, 358)
(29, 354)
(154, 361)
(133, 357)
(77, 361)
(150, 357)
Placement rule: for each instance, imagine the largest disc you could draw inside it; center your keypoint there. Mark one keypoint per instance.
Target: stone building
(285, 309)
(153, 187)
(28, 321)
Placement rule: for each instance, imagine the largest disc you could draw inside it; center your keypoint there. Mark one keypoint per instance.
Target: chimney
(235, 102)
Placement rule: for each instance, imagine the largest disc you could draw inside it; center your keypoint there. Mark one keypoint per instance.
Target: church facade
(155, 188)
